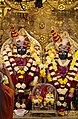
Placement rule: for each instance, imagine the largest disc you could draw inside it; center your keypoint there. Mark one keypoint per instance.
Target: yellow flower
(65, 80)
(38, 62)
(33, 98)
(32, 49)
(40, 99)
(33, 83)
(45, 103)
(54, 65)
(61, 81)
(14, 55)
(6, 82)
(72, 90)
(32, 45)
(3, 60)
(14, 47)
(61, 113)
(21, 76)
(73, 62)
(49, 78)
(21, 71)
(49, 52)
(30, 93)
(42, 73)
(76, 77)
(35, 56)
(76, 54)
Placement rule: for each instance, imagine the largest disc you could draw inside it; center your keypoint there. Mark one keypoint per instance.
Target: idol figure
(62, 66)
(22, 59)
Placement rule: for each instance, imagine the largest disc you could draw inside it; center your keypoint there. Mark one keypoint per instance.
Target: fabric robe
(7, 102)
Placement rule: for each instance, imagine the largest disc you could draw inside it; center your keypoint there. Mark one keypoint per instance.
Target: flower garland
(20, 86)
(70, 75)
(32, 67)
(62, 84)
(52, 66)
(8, 58)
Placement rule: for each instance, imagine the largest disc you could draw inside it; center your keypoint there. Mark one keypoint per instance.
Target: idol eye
(65, 53)
(60, 53)
(19, 49)
(23, 49)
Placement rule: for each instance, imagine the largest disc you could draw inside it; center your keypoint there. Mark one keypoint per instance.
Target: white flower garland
(8, 58)
(52, 67)
(19, 85)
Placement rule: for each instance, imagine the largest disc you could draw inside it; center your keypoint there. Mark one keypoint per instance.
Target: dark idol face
(21, 50)
(63, 55)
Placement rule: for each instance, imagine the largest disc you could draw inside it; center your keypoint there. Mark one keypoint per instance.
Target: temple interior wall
(39, 22)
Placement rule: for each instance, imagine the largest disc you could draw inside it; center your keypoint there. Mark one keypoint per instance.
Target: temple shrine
(39, 48)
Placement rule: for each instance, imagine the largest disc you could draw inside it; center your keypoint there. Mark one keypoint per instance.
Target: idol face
(63, 55)
(21, 50)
